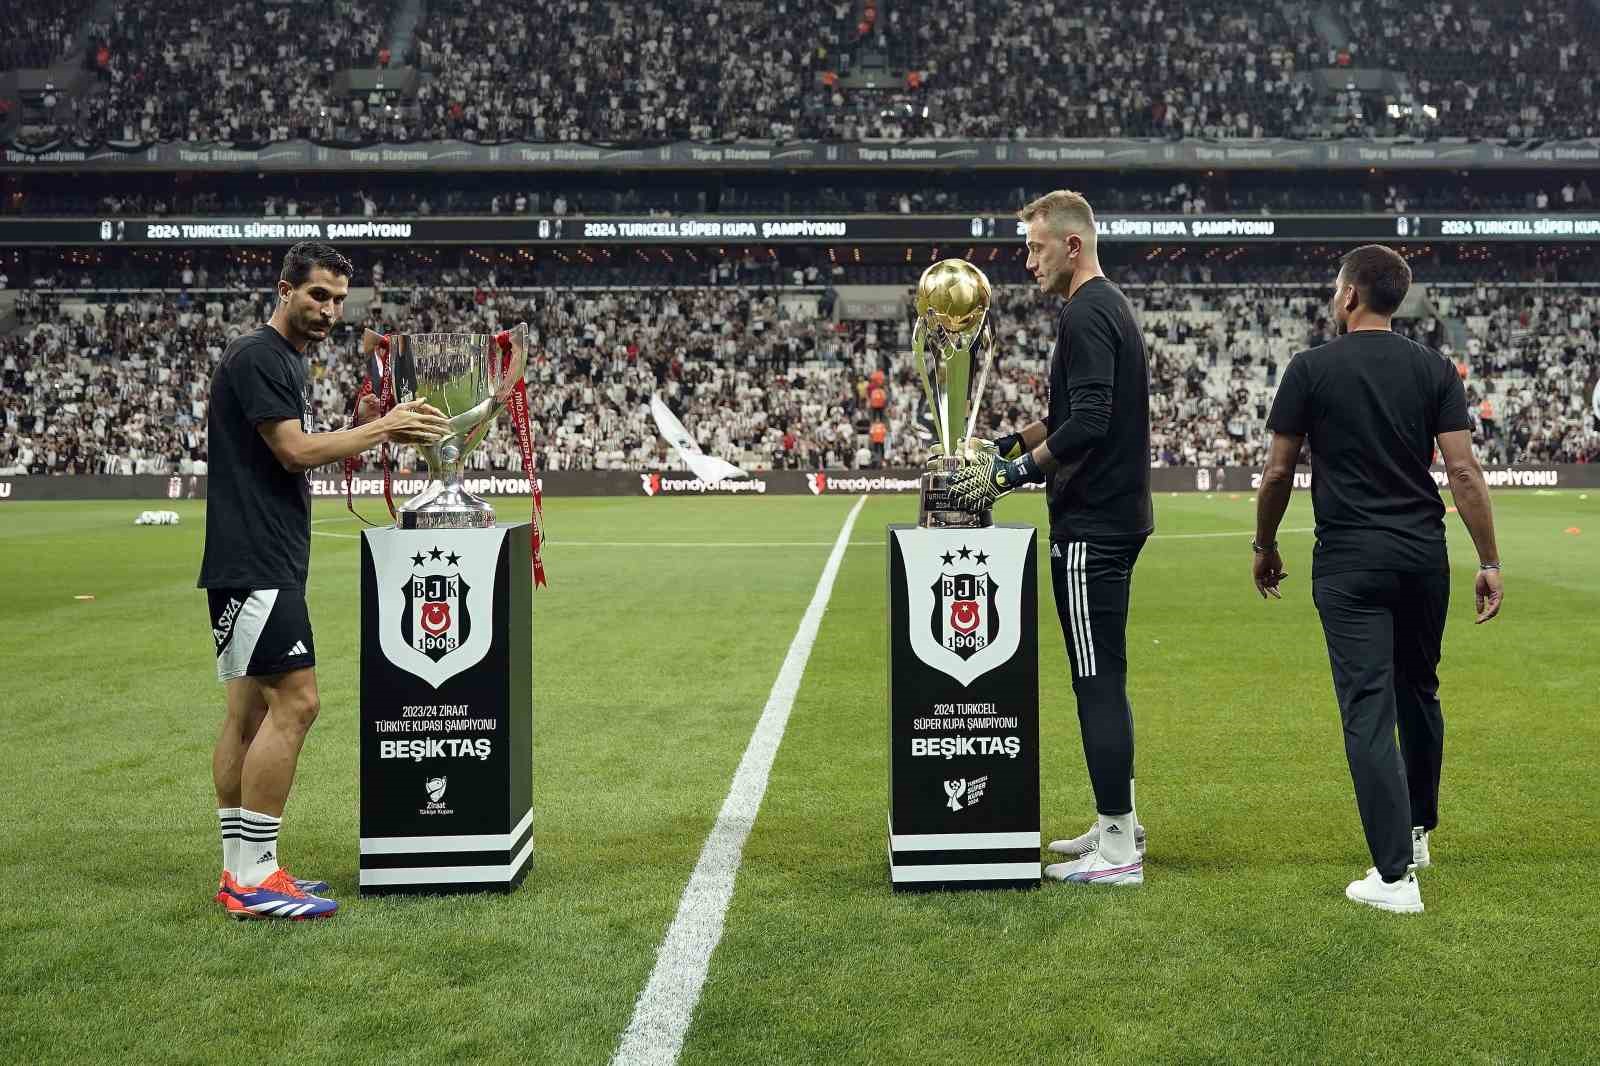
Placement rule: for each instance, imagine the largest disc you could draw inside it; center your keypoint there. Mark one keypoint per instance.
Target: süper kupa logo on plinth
(435, 619)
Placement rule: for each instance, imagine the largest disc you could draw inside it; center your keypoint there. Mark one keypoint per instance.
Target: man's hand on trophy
(414, 422)
(978, 484)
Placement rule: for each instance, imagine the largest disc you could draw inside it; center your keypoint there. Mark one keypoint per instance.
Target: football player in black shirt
(1370, 405)
(257, 553)
(1093, 453)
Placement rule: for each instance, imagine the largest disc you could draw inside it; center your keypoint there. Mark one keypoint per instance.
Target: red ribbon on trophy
(518, 406)
(379, 382)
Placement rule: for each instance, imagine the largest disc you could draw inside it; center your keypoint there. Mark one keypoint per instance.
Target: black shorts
(261, 632)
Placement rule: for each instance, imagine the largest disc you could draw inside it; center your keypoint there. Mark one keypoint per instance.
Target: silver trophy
(469, 377)
(952, 319)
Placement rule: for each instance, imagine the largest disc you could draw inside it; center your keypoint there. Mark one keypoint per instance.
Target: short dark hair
(302, 258)
(1381, 277)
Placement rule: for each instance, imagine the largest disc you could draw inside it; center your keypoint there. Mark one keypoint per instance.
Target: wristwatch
(1260, 548)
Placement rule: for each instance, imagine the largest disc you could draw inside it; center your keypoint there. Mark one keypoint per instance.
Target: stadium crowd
(577, 70)
(1007, 68)
(40, 32)
(1489, 69)
(763, 379)
(182, 71)
(572, 70)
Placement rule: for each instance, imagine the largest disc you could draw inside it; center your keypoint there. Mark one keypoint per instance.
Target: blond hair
(1065, 211)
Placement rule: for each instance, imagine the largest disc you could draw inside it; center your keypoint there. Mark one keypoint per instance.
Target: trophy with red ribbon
(471, 378)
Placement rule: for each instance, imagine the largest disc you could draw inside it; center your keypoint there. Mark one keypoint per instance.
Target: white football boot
(1400, 897)
(1093, 869)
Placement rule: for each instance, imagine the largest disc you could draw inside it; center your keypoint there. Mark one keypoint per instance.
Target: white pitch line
(661, 1016)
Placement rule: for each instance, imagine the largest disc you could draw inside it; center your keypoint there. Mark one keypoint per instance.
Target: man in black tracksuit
(1370, 405)
(1093, 450)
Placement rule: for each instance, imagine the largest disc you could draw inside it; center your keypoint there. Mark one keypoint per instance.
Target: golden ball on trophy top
(953, 295)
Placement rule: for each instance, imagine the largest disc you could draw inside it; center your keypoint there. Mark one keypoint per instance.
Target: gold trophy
(952, 318)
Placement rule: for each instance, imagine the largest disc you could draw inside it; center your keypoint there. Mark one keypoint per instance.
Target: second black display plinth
(963, 708)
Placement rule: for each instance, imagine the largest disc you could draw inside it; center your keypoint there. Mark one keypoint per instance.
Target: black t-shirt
(1104, 494)
(258, 515)
(1370, 405)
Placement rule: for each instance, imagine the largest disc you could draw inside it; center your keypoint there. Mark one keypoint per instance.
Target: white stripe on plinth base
(428, 845)
(958, 841)
(967, 871)
(443, 875)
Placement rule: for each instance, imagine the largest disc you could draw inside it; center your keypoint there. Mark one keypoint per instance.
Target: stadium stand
(1488, 68)
(668, 69)
(40, 32)
(764, 380)
(578, 70)
(181, 71)
(1006, 68)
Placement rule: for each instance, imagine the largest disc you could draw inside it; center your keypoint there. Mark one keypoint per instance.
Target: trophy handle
(919, 347)
(513, 347)
(983, 377)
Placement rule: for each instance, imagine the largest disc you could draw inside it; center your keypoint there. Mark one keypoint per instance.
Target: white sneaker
(1092, 869)
(1089, 841)
(1401, 897)
(1420, 860)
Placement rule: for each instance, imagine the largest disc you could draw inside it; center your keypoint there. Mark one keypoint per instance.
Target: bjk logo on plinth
(437, 620)
(428, 619)
(966, 618)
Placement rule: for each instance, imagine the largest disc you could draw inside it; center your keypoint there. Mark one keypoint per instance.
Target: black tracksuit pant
(1092, 580)
(1384, 630)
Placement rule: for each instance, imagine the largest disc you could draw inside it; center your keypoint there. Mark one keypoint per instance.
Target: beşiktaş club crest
(964, 598)
(966, 618)
(437, 620)
(434, 604)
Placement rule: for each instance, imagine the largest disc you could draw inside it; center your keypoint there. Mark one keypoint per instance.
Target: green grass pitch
(655, 646)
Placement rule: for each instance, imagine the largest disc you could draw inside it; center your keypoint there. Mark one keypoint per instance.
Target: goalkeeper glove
(1009, 446)
(976, 486)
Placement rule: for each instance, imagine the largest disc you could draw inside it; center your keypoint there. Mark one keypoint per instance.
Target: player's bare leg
(247, 707)
(292, 707)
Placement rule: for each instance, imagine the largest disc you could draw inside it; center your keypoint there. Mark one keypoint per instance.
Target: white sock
(228, 820)
(258, 847)
(1133, 804)
(1116, 839)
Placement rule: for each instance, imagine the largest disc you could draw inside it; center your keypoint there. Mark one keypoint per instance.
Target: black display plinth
(963, 708)
(446, 710)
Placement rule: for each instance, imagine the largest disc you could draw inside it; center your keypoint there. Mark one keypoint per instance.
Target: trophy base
(937, 510)
(445, 505)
